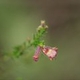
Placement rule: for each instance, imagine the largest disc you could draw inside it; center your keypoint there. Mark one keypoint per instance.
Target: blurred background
(19, 20)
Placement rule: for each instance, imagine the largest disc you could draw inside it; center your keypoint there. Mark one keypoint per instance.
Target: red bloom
(50, 52)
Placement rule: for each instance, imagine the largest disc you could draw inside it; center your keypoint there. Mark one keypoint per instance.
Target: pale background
(19, 20)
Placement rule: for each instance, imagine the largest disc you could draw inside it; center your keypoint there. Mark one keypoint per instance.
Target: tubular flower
(50, 52)
(37, 53)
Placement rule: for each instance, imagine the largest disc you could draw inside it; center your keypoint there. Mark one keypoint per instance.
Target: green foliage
(19, 50)
(35, 41)
(37, 37)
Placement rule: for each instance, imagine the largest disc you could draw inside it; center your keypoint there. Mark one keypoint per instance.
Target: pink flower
(37, 53)
(50, 52)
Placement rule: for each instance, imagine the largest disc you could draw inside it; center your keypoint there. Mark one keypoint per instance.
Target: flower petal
(50, 52)
(35, 58)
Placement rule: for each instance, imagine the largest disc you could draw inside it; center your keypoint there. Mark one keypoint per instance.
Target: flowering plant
(37, 42)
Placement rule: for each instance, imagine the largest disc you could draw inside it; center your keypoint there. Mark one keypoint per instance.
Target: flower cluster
(50, 52)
